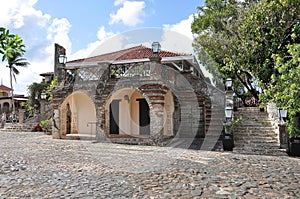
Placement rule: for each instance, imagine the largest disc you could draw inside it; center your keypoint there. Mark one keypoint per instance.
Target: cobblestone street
(32, 165)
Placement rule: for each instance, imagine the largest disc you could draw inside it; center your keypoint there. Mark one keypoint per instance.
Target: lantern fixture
(156, 47)
(62, 59)
(228, 84)
(43, 96)
(228, 113)
(126, 97)
(282, 114)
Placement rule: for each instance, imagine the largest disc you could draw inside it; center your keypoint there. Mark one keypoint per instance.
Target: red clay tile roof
(4, 88)
(137, 52)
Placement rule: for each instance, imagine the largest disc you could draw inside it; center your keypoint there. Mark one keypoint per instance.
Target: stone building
(130, 96)
(5, 99)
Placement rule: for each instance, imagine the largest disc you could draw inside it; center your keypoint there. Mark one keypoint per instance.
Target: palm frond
(15, 71)
(14, 75)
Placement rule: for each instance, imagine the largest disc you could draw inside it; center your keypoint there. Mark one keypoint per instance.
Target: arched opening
(6, 106)
(69, 119)
(129, 114)
(78, 115)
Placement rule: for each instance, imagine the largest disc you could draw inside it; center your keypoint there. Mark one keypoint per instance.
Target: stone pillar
(21, 116)
(43, 104)
(157, 120)
(283, 136)
(59, 71)
(56, 124)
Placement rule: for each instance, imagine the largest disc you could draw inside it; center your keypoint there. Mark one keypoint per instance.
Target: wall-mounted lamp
(282, 114)
(228, 113)
(126, 97)
(62, 59)
(228, 84)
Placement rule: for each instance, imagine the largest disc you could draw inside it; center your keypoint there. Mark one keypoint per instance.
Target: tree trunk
(12, 91)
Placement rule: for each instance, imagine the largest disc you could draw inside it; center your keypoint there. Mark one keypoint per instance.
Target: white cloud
(183, 27)
(119, 2)
(186, 37)
(102, 34)
(58, 32)
(97, 47)
(39, 32)
(14, 13)
(129, 14)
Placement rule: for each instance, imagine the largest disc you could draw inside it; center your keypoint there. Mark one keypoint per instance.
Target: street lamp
(43, 96)
(282, 114)
(156, 47)
(228, 84)
(62, 59)
(228, 113)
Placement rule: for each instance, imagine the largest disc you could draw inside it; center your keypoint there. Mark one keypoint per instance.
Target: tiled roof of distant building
(4, 88)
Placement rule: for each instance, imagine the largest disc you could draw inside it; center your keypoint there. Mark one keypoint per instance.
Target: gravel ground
(33, 165)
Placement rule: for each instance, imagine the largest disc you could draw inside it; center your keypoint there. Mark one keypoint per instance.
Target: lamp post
(282, 114)
(228, 84)
(228, 113)
(43, 102)
(155, 51)
(228, 142)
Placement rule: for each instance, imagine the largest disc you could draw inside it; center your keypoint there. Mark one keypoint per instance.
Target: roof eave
(116, 62)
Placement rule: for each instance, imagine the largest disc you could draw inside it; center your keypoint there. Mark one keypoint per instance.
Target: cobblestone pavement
(33, 165)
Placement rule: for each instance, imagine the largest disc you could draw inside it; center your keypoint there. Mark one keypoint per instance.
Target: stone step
(259, 151)
(26, 127)
(255, 134)
(256, 139)
(257, 145)
(253, 128)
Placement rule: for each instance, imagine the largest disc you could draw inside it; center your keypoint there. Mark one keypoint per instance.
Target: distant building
(47, 77)
(5, 99)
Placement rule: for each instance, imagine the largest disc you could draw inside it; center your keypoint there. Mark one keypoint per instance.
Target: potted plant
(294, 137)
(46, 126)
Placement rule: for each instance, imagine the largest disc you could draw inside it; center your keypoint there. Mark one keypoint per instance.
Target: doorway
(114, 116)
(144, 117)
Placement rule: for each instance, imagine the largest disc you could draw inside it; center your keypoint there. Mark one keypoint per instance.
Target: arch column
(55, 124)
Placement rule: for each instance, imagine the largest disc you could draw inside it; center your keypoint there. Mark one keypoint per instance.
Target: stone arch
(123, 108)
(81, 109)
(6, 107)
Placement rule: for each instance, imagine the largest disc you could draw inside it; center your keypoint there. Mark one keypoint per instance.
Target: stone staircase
(255, 135)
(25, 127)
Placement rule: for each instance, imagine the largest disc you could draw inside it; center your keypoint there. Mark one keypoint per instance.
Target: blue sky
(81, 26)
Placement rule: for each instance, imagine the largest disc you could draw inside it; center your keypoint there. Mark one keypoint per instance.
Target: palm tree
(15, 61)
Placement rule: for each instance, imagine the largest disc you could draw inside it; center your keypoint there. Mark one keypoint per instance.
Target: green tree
(242, 36)
(10, 44)
(285, 87)
(14, 62)
(12, 49)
